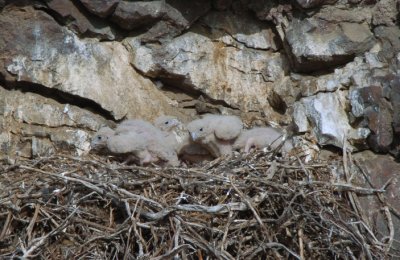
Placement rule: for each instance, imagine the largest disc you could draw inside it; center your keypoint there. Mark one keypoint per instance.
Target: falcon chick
(262, 137)
(178, 137)
(216, 132)
(147, 147)
(139, 140)
(99, 139)
(137, 126)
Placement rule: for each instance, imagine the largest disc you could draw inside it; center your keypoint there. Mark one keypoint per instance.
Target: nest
(255, 206)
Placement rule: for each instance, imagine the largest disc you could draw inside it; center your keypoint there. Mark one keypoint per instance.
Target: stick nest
(242, 207)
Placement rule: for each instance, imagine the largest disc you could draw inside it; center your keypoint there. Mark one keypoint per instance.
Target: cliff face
(67, 67)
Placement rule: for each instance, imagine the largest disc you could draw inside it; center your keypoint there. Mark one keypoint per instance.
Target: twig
(32, 223)
(391, 229)
(229, 222)
(171, 254)
(345, 187)
(271, 245)
(308, 174)
(301, 246)
(248, 203)
(38, 242)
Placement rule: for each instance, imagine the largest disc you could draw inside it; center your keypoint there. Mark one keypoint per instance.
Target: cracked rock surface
(328, 67)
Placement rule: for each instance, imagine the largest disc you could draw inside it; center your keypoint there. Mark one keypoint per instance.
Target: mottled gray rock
(79, 21)
(389, 40)
(314, 3)
(229, 57)
(385, 13)
(380, 170)
(310, 85)
(42, 52)
(268, 10)
(285, 92)
(317, 44)
(339, 14)
(373, 98)
(240, 76)
(131, 15)
(238, 30)
(395, 100)
(42, 147)
(221, 5)
(166, 18)
(357, 73)
(101, 8)
(370, 103)
(324, 115)
(33, 125)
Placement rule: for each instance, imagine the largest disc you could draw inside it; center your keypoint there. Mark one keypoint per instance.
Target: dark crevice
(92, 19)
(180, 84)
(98, 22)
(57, 95)
(56, 17)
(172, 86)
(176, 83)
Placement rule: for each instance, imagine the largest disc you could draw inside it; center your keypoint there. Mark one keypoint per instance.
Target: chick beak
(174, 122)
(193, 135)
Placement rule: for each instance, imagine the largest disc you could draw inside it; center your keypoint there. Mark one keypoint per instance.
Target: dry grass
(244, 207)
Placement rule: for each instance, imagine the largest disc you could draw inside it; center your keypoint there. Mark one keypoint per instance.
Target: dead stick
(248, 203)
(229, 222)
(6, 225)
(301, 245)
(94, 187)
(391, 228)
(9, 216)
(32, 223)
(93, 224)
(171, 254)
(38, 242)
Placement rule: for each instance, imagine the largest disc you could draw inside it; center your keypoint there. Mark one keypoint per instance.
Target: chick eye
(166, 123)
(99, 138)
(201, 129)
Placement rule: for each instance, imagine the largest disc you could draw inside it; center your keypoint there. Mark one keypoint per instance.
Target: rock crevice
(303, 62)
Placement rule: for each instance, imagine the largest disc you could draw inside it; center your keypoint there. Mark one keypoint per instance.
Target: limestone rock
(314, 3)
(379, 169)
(240, 76)
(131, 15)
(370, 103)
(329, 123)
(385, 13)
(101, 8)
(275, 11)
(285, 92)
(80, 22)
(231, 29)
(357, 73)
(34, 125)
(390, 42)
(42, 52)
(225, 61)
(317, 44)
(395, 100)
(338, 14)
(173, 15)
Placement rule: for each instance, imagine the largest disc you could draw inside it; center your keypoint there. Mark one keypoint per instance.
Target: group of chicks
(168, 140)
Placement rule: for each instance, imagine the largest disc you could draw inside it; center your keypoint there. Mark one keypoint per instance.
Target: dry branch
(242, 207)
